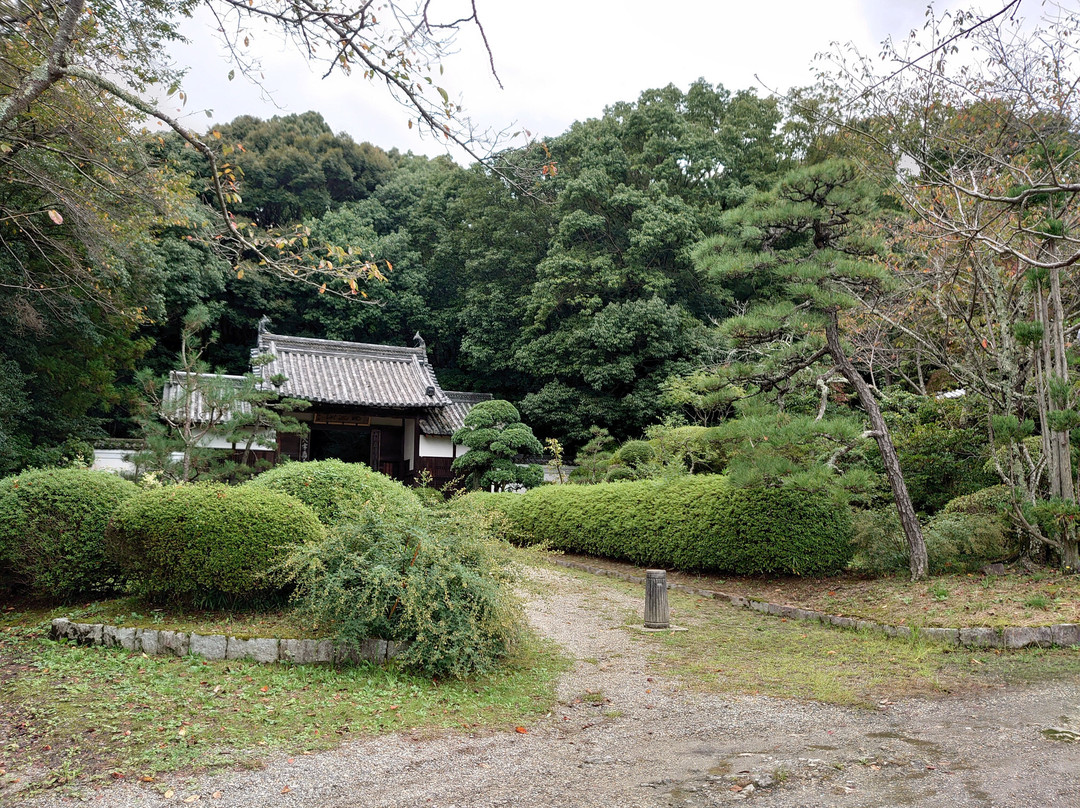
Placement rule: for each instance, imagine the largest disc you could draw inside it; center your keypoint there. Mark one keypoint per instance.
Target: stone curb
(220, 647)
(1012, 637)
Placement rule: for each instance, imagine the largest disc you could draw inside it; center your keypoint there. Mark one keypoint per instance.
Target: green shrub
(431, 497)
(635, 453)
(956, 541)
(698, 522)
(52, 526)
(993, 501)
(961, 542)
(441, 583)
(336, 490)
(878, 539)
(942, 446)
(209, 542)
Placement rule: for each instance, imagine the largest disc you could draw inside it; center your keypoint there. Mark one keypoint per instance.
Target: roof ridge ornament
(420, 343)
(264, 324)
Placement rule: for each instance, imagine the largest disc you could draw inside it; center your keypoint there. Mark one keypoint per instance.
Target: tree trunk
(908, 520)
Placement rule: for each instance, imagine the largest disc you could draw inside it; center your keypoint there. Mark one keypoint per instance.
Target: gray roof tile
(206, 394)
(451, 418)
(355, 373)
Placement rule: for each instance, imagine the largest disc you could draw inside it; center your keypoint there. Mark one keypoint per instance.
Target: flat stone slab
(980, 638)
(148, 640)
(257, 648)
(299, 652)
(118, 637)
(946, 636)
(1065, 634)
(208, 646)
(1024, 636)
(173, 643)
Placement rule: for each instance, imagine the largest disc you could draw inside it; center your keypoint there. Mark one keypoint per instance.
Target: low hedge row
(52, 526)
(692, 523)
(339, 491)
(208, 542)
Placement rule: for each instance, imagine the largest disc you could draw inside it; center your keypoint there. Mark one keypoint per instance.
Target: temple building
(374, 404)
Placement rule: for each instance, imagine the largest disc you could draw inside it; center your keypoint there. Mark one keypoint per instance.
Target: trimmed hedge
(209, 542)
(993, 501)
(52, 527)
(336, 490)
(692, 523)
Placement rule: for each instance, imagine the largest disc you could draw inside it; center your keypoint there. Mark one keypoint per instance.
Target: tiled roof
(207, 395)
(451, 418)
(334, 372)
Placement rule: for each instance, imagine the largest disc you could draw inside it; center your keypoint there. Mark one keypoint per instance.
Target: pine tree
(807, 240)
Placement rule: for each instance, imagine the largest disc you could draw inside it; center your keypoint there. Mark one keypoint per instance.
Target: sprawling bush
(694, 523)
(52, 526)
(440, 583)
(338, 491)
(209, 543)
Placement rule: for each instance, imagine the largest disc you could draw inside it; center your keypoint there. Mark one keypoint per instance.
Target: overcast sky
(561, 61)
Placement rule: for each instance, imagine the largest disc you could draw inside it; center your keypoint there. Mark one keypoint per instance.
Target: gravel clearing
(624, 736)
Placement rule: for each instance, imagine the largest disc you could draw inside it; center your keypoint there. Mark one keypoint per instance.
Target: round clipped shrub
(52, 526)
(695, 523)
(993, 501)
(209, 542)
(635, 453)
(617, 473)
(338, 491)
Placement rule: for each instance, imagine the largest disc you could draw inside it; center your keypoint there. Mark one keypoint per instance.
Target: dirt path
(624, 736)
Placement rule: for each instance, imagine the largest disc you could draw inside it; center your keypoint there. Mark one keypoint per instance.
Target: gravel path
(624, 736)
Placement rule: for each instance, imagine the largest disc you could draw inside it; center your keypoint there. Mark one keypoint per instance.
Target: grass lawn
(732, 650)
(1018, 598)
(70, 715)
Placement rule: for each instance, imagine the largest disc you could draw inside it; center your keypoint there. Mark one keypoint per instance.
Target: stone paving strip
(1063, 634)
(219, 646)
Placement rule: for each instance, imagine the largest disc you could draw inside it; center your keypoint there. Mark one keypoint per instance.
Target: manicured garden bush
(336, 490)
(942, 446)
(208, 542)
(694, 523)
(52, 526)
(993, 501)
(441, 583)
(963, 542)
(957, 540)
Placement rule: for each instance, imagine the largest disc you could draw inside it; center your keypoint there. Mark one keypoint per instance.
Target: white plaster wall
(437, 446)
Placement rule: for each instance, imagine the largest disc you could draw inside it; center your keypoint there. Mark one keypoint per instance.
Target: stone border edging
(1011, 637)
(219, 646)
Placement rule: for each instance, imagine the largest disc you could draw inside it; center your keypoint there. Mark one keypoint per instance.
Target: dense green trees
(682, 251)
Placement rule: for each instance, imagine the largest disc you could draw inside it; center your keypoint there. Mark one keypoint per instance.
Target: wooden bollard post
(656, 608)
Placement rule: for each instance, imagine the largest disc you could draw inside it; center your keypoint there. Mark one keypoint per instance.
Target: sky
(559, 61)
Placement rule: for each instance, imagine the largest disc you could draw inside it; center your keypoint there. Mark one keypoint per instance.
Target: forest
(866, 287)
